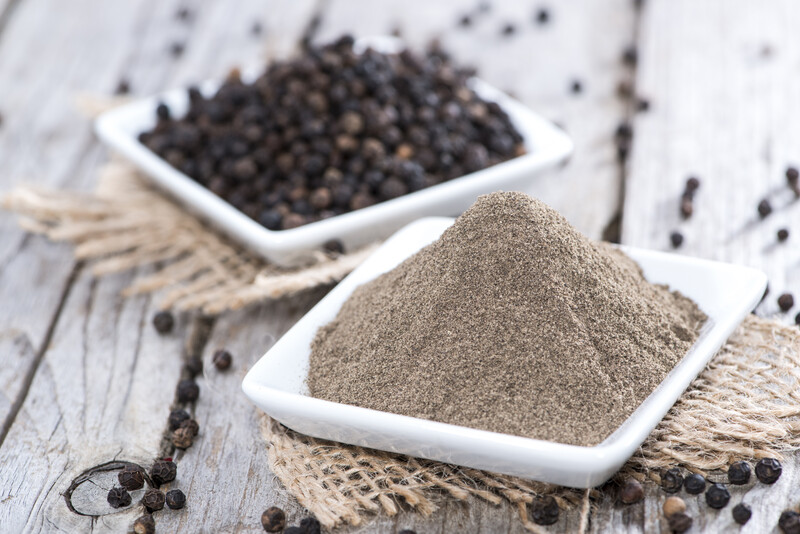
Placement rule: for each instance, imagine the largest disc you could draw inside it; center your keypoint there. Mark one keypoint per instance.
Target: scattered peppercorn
(144, 525)
(783, 235)
(672, 480)
(273, 519)
(789, 522)
(333, 247)
(692, 184)
(797, 319)
(632, 492)
(407, 531)
(792, 176)
(694, 484)
(642, 104)
(176, 49)
(676, 238)
(194, 366)
(717, 496)
(182, 438)
(187, 391)
(576, 87)
(509, 29)
(741, 513)
(785, 302)
(176, 417)
(222, 359)
(542, 16)
(673, 505)
(687, 207)
(294, 530)
(256, 29)
(544, 510)
(153, 499)
(163, 471)
(163, 322)
(624, 89)
(630, 56)
(192, 426)
(175, 499)
(118, 497)
(131, 477)
(183, 14)
(764, 208)
(310, 525)
(679, 522)
(739, 473)
(768, 470)
(465, 21)
(123, 87)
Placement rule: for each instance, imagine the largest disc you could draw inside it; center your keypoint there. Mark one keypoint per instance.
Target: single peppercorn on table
(87, 383)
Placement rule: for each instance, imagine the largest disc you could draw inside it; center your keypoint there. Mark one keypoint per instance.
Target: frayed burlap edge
(743, 406)
(127, 224)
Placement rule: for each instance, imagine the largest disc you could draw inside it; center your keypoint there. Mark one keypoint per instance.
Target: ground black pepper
(183, 14)
(222, 359)
(175, 499)
(176, 417)
(118, 497)
(187, 391)
(642, 105)
(273, 519)
(544, 510)
(783, 234)
(153, 499)
(163, 322)
(542, 16)
(465, 21)
(739, 473)
(789, 522)
(764, 209)
(768, 470)
(632, 492)
(785, 302)
(694, 484)
(679, 522)
(176, 49)
(144, 525)
(509, 29)
(576, 87)
(741, 513)
(182, 438)
(123, 87)
(717, 496)
(256, 29)
(131, 477)
(676, 239)
(163, 471)
(310, 525)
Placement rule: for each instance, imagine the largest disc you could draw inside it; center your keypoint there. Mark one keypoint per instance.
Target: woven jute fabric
(745, 404)
(126, 223)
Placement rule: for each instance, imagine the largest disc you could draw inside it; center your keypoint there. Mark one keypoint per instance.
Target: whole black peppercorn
(182, 438)
(187, 391)
(632, 492)
(576, 87)
(192, 426)
(741, 513)
(717, 496)
(542, 16)
(789, 522)
(544, 510)
(676, 238)
(294, 530)
(333, 247)
(144, 525)
(273, 519)
(175, 499)
(783, 234)
(694, 484)
(176, 417)
(672, 480)
(792, 176)
(310, 525)
(131, 477)
(768, 470)
(785, 302)
(764, 208)
(153, 500)
(679, 522)
(118, 497)
(739, 473)
(123, 87)
(692, 184)
(163, 471)
(163, 322)
(222, 359)
(194, 366)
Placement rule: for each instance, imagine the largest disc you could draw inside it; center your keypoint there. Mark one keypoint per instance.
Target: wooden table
(85, 379)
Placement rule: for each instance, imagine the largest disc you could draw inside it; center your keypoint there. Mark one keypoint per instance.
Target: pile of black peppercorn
(334, 131)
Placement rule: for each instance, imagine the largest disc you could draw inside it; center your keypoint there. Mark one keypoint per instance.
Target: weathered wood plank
(721, 79)
(538, 64)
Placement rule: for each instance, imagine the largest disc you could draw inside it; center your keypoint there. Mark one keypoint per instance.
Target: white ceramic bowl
(546, 144)
(276, 384)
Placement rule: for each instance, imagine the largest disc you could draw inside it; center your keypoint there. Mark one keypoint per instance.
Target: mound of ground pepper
(511, 322)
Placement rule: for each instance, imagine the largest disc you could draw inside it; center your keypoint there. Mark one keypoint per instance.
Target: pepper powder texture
(511, 322)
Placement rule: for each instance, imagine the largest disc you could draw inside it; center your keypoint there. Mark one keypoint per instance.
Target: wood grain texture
(722, 79)
(538, 65)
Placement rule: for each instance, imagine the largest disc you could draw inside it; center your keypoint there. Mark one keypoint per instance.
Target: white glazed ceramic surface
(546, 144)
(727, 293)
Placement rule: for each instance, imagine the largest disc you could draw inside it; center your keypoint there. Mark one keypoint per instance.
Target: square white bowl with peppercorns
(277, 382)
(545, 146)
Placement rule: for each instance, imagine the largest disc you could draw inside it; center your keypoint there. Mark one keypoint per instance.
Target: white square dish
(546, 146)
(276, 383)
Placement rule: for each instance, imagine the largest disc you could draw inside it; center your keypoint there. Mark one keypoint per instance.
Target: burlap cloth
(744, 405)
